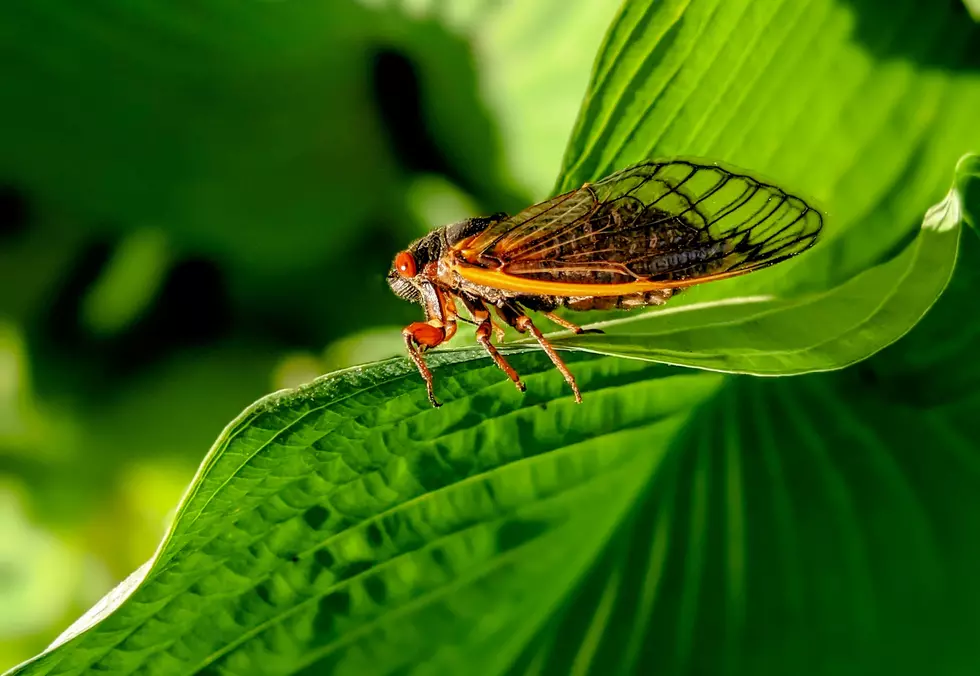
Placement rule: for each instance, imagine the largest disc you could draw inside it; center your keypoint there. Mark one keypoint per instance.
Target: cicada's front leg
(419, 337)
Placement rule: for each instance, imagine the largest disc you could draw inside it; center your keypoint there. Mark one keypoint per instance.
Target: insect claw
(430, 393)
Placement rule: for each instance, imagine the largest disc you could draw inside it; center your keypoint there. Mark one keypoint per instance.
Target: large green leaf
(800, 525)
(792, 90)
(936, 363)
(341, 524)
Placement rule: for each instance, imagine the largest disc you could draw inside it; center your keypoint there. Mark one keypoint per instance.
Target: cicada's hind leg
(561, 321)
(520, 321)
(484, 328)
(420, 336)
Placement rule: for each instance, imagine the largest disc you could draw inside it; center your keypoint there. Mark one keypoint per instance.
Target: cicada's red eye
(405, 264)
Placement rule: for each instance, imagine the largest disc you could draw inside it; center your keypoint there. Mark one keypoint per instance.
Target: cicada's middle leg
(520, 321)
(485, 327)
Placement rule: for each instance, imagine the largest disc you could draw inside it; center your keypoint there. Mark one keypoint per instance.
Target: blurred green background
(198, 205)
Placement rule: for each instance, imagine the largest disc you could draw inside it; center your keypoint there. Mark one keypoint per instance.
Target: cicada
(630, 240)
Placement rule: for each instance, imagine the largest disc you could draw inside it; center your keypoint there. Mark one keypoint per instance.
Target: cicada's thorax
(445, 241)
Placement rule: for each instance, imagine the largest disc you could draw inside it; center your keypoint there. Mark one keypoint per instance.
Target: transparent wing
(657, 221)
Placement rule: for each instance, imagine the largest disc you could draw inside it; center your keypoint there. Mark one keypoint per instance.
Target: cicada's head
(407, 275)
(403, 277)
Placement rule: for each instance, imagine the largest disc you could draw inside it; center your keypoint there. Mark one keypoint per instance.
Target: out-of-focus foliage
(198, 206)
(973, 6)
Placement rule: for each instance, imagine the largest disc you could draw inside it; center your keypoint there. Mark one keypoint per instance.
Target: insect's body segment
(631, 240)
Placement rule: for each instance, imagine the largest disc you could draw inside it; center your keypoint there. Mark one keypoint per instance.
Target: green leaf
(670, 513)
(936, 363)
(348, 520)
(967, 189)
(798, 525)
